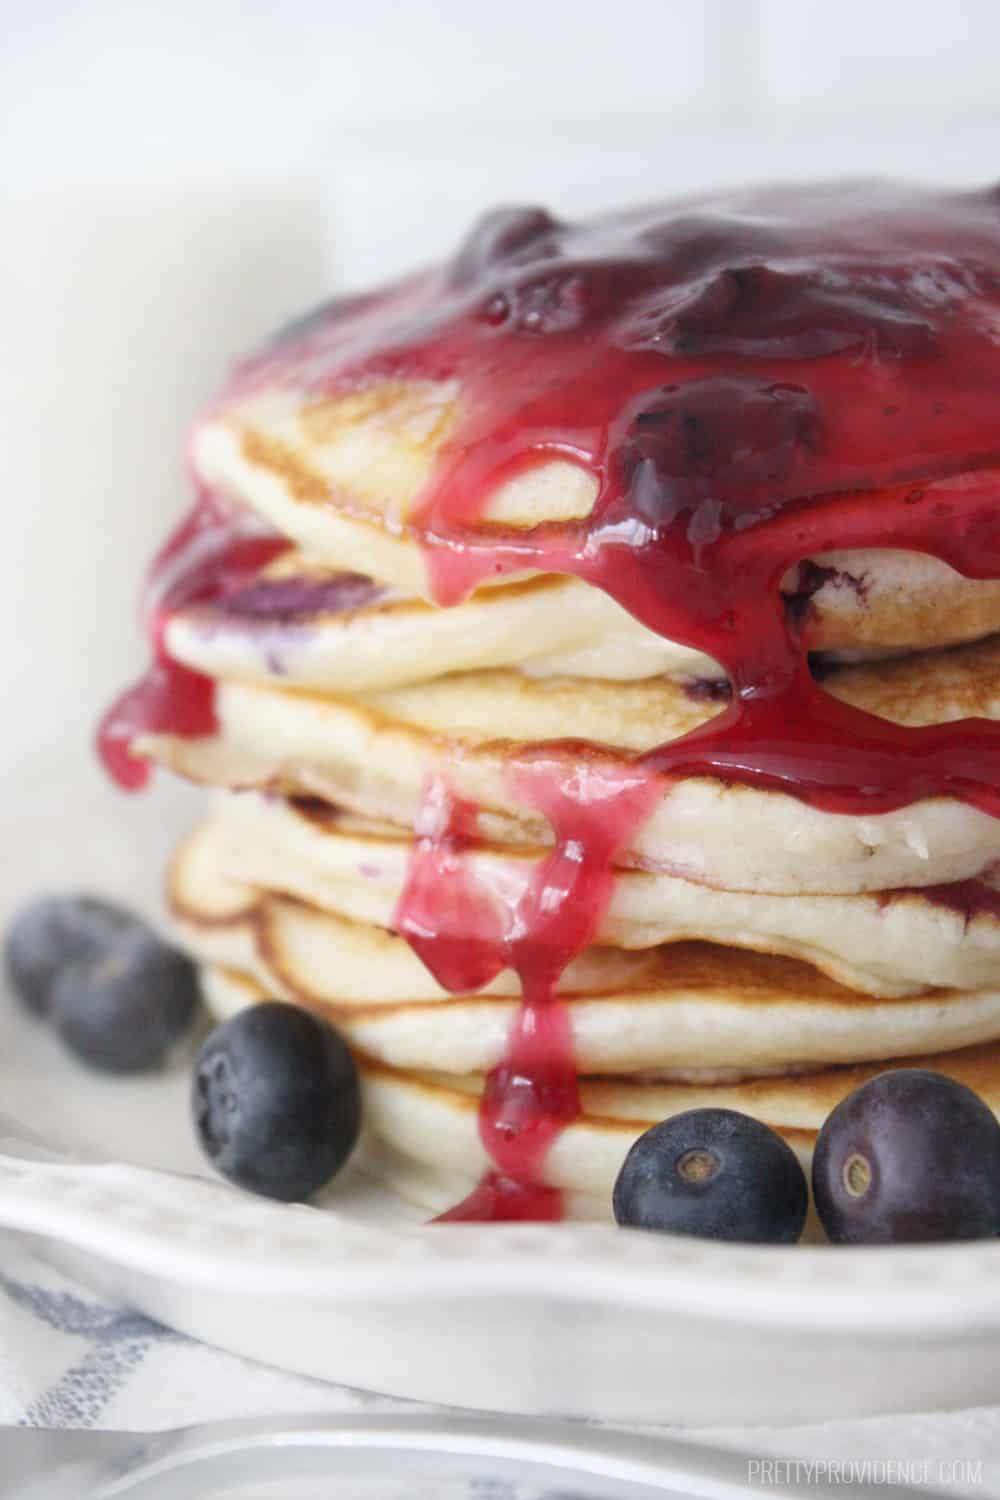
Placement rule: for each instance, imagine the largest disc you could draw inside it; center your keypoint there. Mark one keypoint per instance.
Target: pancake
(687, 1007)
(325, 957)
(426, 1127)
(883, 943)
(377, 754)
(301, 625)
(342, 474)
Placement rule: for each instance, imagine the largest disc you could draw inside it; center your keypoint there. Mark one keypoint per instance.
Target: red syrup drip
(466, 936)
(214, 552)
(500, 1199)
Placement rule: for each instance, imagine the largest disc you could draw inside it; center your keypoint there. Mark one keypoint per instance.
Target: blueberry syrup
(449, 922)
(214, 552)
(707, 689)
(811, 578)
(751, 382)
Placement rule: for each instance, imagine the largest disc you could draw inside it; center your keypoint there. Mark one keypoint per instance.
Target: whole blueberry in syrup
(714, 1173)
(276, 1100)
(122, 1008)
(910, 1156)
(54, 931)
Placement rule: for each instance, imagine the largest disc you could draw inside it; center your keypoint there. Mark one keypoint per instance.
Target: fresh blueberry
(911, 1156)
(121, 1009)
(714, 1173)
(276, 1100)
(53, 932)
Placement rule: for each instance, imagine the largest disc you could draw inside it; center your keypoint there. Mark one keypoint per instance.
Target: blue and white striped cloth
(69, 1359)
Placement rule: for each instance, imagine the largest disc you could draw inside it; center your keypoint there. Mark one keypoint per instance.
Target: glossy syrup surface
(752, 380)
(466, 937)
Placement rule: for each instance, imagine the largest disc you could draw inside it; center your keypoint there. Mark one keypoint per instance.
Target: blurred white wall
(181, 131)
(420, 113)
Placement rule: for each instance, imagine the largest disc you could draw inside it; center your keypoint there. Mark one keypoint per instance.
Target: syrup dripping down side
(465, 938)
(214, 552)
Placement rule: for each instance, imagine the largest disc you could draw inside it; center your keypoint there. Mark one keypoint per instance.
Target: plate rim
(184, 1230)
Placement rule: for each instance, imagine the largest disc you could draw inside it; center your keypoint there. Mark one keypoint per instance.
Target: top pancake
(698, 366)
(341, 475)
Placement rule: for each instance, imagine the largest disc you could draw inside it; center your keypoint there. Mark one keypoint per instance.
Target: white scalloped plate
(582, 1321)
(554, 1320)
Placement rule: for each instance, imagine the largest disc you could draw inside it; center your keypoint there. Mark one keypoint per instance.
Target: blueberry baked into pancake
(594, 644)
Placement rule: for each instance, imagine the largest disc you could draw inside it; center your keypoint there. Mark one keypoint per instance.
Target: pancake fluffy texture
(758, 950)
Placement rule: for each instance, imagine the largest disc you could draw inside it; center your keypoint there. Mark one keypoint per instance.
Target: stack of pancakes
(757, 952)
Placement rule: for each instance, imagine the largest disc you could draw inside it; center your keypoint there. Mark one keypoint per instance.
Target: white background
(417, 113)
(176, 176)
(595, 103)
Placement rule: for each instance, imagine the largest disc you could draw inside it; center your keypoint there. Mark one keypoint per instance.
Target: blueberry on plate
(276, 1100)
(714, 1173)
(121, 1009)
(55, 931)
(911, 1156)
